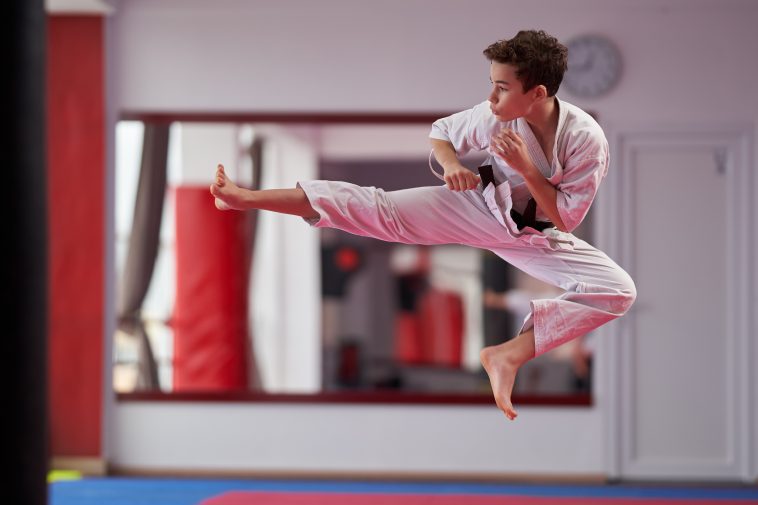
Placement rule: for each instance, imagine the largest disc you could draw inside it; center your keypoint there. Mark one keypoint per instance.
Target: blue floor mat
(158, 491)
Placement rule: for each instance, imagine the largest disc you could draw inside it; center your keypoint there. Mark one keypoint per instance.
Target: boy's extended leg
(229, 196)
(430, 215)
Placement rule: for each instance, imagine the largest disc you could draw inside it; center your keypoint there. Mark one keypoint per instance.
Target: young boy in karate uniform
(548, 158)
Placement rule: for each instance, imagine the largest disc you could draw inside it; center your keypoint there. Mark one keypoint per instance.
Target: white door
(683, 380)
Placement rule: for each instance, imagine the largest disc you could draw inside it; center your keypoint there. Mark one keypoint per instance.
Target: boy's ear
(540, 92)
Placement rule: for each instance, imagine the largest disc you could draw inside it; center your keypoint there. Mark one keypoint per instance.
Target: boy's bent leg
(427, 215)
(597, 291)
(501, 362)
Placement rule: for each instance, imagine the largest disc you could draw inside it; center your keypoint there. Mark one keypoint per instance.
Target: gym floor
(164, 491)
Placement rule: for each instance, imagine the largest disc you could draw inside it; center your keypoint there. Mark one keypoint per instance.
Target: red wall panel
(76, 169)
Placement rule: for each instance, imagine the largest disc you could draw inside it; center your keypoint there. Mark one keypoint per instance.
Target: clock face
(594, 66)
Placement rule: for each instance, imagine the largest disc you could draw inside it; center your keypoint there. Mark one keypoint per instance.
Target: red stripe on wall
(76, 166)
(210, 315)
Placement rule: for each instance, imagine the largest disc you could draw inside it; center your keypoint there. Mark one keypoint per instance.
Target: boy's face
(507, 99)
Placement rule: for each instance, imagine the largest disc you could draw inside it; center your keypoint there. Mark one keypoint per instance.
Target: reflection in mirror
(228, 301)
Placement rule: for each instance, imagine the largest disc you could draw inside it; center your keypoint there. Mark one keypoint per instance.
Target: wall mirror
(256, 305)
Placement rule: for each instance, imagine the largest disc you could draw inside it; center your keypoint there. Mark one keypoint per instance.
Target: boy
(548, 158)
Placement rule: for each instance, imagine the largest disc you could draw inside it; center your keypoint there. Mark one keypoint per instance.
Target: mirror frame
(366, 397)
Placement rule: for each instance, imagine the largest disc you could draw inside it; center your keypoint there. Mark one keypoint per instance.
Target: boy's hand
(509, 146)
(460, 179)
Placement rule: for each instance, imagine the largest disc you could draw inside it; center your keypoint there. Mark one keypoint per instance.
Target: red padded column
(210, 315)
(76, 168)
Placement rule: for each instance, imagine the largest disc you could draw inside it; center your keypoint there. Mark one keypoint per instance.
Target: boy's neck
(543, 118)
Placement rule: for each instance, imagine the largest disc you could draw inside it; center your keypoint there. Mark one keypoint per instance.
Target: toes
(220, 175)
(510, 412)
(507, 409)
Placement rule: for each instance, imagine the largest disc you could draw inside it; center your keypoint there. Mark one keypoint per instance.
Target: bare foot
(228, 195)
(501, 363)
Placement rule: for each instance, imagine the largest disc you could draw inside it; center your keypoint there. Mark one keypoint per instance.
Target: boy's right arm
(455, 135)
(457, 177)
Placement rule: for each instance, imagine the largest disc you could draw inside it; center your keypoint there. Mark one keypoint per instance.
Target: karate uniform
(597, 290)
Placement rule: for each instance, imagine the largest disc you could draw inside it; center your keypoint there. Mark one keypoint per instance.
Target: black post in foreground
(23, 266)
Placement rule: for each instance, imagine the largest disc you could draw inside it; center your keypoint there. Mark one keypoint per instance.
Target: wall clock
(594, 66)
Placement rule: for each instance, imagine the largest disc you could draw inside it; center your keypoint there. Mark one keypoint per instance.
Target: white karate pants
(597, 290)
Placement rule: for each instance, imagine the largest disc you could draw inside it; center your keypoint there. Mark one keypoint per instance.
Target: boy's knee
(627, 295)
(617, 295)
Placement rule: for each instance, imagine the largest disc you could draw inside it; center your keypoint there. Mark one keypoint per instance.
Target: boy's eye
(500, 88)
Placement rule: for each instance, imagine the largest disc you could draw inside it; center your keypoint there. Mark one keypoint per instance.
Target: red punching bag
(210, 321)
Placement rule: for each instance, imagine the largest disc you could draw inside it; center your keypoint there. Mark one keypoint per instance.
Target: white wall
(684, 59)
(687, 62)
(352, 440)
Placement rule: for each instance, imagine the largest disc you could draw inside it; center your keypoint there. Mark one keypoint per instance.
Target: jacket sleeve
(464, 130)
(582, 174)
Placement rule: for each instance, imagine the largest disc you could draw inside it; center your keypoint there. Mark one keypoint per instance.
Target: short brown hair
(538, 57)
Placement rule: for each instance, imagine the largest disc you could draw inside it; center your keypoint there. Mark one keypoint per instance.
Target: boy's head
(536, 57)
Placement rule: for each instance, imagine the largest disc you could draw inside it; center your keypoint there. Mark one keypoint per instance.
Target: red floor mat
(256, 498)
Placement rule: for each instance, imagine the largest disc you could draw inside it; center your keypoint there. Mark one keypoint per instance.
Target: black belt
(528, 218)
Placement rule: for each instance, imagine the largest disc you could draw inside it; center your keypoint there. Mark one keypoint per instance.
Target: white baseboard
(370, 476)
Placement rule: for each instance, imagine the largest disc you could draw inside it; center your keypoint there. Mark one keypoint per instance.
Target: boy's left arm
(565, 206)
(545, 195)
